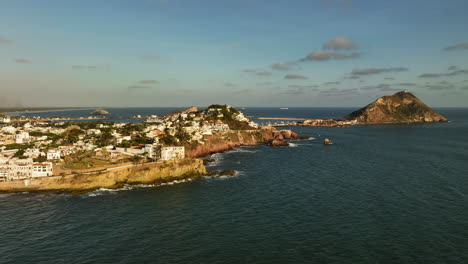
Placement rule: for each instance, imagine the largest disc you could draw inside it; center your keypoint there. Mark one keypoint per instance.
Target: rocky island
(402, 107)
(99, 112)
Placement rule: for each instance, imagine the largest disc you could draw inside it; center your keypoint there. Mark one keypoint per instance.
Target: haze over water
(380, 194)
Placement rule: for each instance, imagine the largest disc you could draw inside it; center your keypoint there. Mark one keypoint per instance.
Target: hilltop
(402, 107)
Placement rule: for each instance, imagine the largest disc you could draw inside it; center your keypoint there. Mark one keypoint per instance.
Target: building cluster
(20, 169)
(32, 149)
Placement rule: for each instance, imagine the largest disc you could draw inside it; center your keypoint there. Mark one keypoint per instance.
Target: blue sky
(186, 52)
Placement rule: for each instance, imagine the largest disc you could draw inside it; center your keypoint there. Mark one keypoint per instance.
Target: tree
(41, 159)
(105, 139)
(19, 154)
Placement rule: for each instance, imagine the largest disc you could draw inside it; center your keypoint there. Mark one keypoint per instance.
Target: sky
(295, 53)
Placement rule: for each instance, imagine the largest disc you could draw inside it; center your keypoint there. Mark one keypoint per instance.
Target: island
(99, 112)
(76, 157)
(402, 107)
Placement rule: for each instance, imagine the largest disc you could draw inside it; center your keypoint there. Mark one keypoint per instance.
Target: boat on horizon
(284, 108)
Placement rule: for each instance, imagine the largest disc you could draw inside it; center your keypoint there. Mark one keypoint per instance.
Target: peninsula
(84, 156)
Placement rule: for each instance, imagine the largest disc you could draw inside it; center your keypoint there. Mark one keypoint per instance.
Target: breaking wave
(103, 191)
(224, 177)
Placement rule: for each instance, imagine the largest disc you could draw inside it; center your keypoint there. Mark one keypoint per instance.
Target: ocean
(380, 194)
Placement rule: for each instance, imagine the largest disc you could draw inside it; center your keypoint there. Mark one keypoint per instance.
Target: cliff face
(151, 173)
(402, 107)
(224, 142)
(229, 140)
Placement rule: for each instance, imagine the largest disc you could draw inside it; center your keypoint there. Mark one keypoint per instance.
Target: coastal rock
(278, 143)
(99, 112)
(327, 142)
(322, 122)
(208, 161)
(278, 135)
(287, 134)
(217, 143)
(191, 109)
(221, 173)
(402, 107)
(269, 133)
(227, 173)
(224, 142)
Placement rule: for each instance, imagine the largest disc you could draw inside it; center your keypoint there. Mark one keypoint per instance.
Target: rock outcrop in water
(99, 112)
(402, 107)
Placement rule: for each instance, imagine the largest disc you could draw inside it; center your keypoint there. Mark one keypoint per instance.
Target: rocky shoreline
(229, 140)
(149, 173)
(157, 172)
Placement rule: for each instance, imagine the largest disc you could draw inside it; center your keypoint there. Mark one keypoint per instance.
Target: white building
(33, 152)
(22, 137)
(6, 120)
(41, 138)
(41, 169)
(219, 127)
(91, 132)
(53, 154)
(119, 140)
(172, 153)
(158, 152)
(9, 130)
(153, 151)
(20, 169)
(16, 169)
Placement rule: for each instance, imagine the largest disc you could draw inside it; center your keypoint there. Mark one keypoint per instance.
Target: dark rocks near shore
(278, 138)
(278, 143)
(208, 161)
(221, 173)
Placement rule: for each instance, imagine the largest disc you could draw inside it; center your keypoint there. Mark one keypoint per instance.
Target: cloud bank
(295, 76)
(325, 55)
(4, 40)
(369, 71)
(340, 43)
(459, 46)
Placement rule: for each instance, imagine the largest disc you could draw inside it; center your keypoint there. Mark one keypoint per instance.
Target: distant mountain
(402, 107)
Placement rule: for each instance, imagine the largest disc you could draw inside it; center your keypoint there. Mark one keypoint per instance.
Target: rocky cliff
(150, 173)
(402, 107)
(191, 109)
(227, 141)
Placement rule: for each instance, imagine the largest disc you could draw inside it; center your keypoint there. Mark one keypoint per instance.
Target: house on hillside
(158, 152)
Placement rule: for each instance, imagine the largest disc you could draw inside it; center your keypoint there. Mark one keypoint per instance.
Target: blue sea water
(380, 194)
